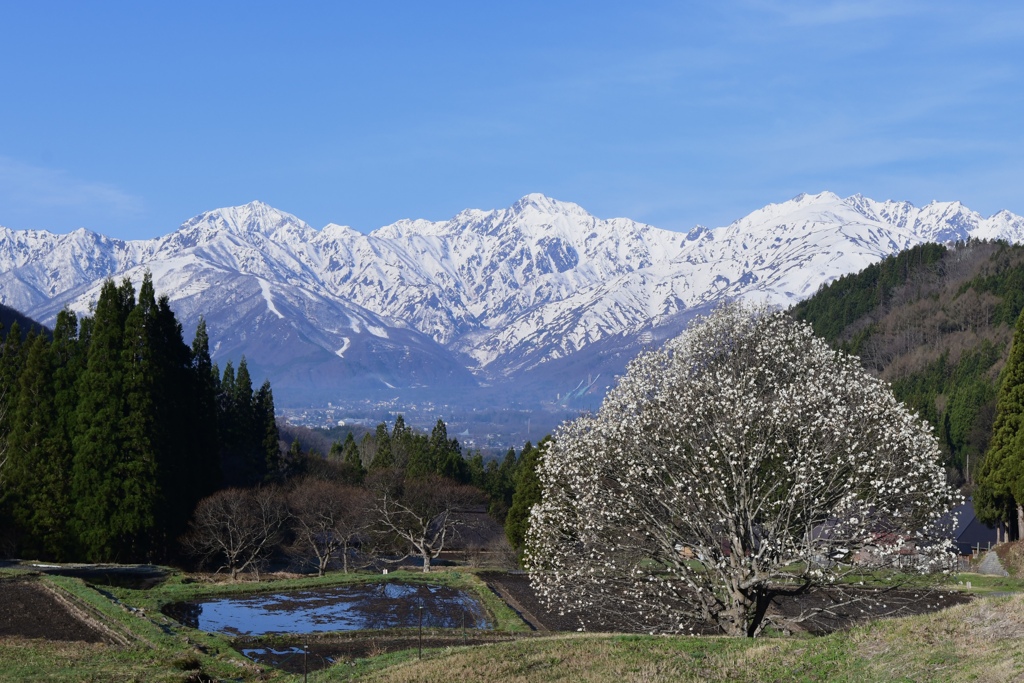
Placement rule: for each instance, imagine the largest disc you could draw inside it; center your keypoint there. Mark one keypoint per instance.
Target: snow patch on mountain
(493, 292)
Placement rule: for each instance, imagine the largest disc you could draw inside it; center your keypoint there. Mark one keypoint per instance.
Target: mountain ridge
(449, 307)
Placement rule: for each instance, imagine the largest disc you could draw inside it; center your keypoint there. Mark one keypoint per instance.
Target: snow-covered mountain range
(536, 303)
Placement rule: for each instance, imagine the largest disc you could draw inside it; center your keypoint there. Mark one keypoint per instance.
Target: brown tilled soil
(836, 608)
(29, 610)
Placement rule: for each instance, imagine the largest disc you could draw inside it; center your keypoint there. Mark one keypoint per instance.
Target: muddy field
(360, 607)
(139, 576)
(29, 610)
(838, 608)
(287, 653)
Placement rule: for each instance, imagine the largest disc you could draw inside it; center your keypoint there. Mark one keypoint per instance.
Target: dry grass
(1011, 556)
(980, 641)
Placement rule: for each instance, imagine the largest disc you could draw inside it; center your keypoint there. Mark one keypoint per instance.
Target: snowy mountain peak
(546, 205)
(334, 231)
(254, 218)
(539, 284)
(822, 197)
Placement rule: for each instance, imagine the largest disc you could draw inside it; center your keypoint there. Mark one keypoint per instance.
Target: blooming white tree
(742, 461)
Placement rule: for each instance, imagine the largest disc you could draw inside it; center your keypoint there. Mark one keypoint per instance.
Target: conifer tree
(999, 497)
(248, 439)
(105, 532)
(11, 362)
(351, 461)
(69, 361)
(205, 385)
(140, 433)
(526, 495)
(421, 461)
(228, 436)
(402, 443)
(268, 451)
(501, 486)
(39, 460)
(382, 459)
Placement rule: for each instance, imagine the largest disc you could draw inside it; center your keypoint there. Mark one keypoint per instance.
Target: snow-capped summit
(541, 289)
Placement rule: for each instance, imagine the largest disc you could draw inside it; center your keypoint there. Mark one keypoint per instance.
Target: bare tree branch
(420, 513)
(327, 518)
(237, 529)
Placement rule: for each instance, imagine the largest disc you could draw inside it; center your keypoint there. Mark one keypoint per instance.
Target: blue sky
(129, 118)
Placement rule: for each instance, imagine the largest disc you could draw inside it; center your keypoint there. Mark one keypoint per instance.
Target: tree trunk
(1020, 520)
(426, 562)
(762, 601)
(733, 620)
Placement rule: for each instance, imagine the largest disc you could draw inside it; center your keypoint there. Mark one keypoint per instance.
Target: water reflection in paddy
(342, 608)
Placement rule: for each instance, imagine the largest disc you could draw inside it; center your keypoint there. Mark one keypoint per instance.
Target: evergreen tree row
(115, 429)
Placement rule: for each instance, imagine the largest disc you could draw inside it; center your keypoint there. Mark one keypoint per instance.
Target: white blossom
(743, 459)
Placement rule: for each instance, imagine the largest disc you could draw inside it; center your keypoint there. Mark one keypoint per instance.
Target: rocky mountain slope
(539, 303)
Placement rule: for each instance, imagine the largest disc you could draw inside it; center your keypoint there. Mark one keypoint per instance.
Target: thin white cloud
(34, 187)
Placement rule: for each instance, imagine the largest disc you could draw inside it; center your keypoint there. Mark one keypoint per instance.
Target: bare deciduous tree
(237, 529)
(421, 513)
(327, 517)
(743, 461)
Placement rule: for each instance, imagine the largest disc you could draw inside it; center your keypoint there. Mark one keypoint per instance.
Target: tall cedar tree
(185, 456)
(108, 524)
(229, 439)
(999, 496)
(206, 475)
(38, 460)
(11, 361)
(383, 458)
(502, 486)
(249, 442)
(527, 493)
(268, 450)
(69, 361)
(10, 368)
(140, 430)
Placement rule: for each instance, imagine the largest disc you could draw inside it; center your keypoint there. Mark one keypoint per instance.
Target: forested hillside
(936, 322)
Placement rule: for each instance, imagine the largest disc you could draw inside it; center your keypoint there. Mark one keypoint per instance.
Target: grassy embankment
(979, 641)
(160, 649)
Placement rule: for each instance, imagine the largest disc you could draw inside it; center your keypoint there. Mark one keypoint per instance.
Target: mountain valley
(502, 321)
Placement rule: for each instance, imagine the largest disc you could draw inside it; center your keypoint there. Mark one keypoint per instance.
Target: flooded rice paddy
(341, 608)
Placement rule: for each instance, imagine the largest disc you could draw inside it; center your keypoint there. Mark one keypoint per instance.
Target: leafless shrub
(417, 515)
(327, 517)
(237, 529)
